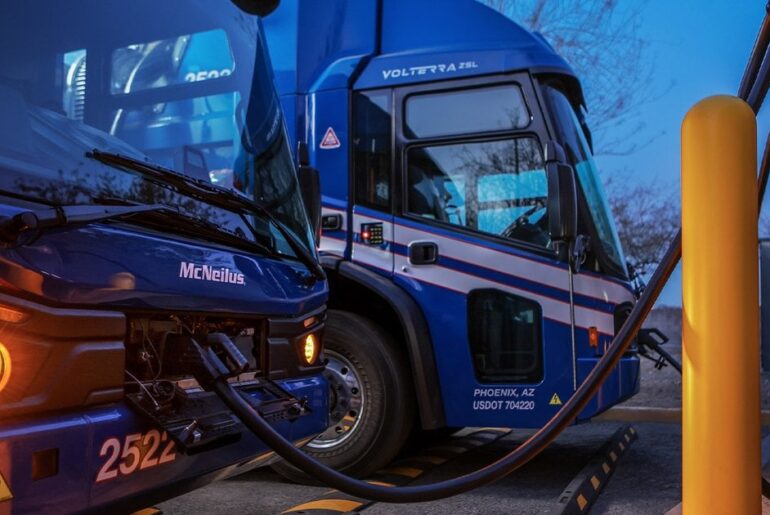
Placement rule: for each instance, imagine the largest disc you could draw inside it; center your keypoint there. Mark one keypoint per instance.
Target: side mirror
(310, 189)
(257, 7)
(562, 197)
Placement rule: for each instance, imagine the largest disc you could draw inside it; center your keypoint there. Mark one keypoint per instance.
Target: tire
(371, 383)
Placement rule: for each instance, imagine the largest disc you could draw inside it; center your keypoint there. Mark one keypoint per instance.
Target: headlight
(5, 366)
(310, 348)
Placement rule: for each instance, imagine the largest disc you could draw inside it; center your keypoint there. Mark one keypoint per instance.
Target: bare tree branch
(601, 41)
(647, 218)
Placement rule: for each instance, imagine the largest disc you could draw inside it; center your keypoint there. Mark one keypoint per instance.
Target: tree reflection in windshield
(193, 93)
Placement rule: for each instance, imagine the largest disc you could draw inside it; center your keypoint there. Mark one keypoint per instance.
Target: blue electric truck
(475, 271)
(149, 206)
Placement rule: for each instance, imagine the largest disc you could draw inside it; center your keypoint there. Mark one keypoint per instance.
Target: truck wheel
(371, 399)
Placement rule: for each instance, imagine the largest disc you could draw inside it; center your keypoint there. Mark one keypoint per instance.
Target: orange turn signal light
(11, 315)
(593, 337)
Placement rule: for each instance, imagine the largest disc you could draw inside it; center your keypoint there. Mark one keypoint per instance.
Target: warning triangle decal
(5, 490)
(555, 400)
(330, 140)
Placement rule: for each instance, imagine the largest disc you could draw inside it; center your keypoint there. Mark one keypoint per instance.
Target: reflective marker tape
(338, 505)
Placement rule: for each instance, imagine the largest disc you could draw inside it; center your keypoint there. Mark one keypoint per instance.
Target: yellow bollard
(720, 315)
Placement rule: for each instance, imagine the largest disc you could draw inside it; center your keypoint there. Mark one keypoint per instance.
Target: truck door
(471, 245)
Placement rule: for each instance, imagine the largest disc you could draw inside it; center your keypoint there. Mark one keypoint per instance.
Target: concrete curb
(649, 414)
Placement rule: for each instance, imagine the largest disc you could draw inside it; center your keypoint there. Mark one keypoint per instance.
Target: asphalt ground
(647, 480)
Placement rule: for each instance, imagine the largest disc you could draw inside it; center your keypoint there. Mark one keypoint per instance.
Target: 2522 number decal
(137, 451)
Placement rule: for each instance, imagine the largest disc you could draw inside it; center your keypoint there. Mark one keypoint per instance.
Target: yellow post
(720, 316)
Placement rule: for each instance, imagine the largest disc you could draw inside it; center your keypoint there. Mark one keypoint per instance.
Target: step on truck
(148, 202)
(475, 271)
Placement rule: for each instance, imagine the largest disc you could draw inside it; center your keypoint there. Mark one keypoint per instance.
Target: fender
(417, 336)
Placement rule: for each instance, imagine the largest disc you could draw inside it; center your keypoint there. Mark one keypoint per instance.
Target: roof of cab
(373, 43)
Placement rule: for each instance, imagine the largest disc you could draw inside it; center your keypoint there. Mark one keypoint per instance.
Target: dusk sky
(698, 49)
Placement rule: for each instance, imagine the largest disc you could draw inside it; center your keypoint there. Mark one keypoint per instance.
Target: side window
(468, 111)
(505, 337)
(495, 187)
(372, 148)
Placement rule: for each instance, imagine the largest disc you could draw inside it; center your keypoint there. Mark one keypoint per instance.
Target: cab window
(495, 187)
(372, 148)
(468, 111)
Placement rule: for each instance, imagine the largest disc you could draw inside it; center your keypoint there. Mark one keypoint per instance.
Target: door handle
(331, 222)
(423, 253)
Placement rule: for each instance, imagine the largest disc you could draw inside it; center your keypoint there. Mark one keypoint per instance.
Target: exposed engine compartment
(161, 362)
(155, 344)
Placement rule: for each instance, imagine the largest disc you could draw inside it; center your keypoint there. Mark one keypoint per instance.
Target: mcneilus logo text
(209, 273)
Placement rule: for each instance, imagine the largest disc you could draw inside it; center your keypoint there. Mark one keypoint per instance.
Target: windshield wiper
(214, 195)
(170, 217)
(156, 215)
(34, 222)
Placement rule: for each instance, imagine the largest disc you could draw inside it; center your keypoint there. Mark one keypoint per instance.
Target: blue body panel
(80, 438)
(81, 267)
(325, 51)
(338, 44)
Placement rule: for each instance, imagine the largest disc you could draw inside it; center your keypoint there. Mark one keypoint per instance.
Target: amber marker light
(310, 349)
(5, 366)
(593, 337)
(11, 315)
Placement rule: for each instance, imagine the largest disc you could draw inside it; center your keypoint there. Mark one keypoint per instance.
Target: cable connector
(217, 361)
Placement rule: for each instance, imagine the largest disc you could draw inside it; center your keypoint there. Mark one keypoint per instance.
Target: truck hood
(119, 266)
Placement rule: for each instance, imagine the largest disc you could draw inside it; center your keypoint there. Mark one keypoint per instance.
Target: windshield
(185, 84)
(579, 155)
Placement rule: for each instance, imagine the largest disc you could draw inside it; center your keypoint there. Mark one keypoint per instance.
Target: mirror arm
(578, 248)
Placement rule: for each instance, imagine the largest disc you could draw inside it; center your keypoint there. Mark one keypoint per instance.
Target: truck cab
(453, 303)
(149, 205)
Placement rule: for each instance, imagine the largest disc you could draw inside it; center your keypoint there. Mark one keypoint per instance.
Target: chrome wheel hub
(346, 401)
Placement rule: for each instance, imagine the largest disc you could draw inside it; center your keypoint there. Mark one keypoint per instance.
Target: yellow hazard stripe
(340, 505)
(148, 511)
(380, 483)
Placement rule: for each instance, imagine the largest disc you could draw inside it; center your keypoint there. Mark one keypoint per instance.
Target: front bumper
(111, 457)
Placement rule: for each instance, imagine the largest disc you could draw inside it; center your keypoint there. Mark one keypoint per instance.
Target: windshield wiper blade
(189, 224)
(214, 195)
(166, 176)
(35, 222)
(12, 227)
